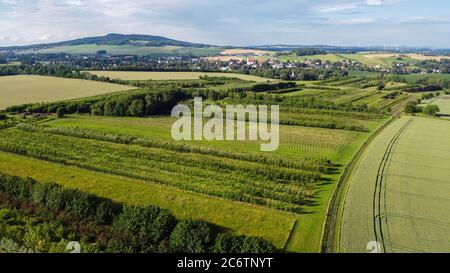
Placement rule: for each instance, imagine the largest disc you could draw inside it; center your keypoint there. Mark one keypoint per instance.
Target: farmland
(313, 143)
(367, 58)
(31, 89)
(142, 76)
(406, 210)
(127, 154)
(292, 182)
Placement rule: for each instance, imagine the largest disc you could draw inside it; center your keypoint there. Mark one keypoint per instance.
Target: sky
(232, 22)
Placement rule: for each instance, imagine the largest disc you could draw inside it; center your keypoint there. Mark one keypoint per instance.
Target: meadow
(158, 76)
(444, 105)
(31, 89)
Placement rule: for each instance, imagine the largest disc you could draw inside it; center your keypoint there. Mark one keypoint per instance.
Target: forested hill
(113, 39)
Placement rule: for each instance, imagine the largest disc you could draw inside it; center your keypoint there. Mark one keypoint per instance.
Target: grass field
(444, 105)
(134, 50)
(30, 89)
(406, 168)
(124, 75)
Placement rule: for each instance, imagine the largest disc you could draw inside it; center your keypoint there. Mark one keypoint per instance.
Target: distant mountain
(112, 39)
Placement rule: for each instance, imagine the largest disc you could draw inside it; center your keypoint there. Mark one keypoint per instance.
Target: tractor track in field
(379, 195)
(331, 230)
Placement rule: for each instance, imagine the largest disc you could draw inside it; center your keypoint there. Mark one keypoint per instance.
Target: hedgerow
(30, 222)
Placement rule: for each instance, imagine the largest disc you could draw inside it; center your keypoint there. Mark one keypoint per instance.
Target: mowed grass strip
(235, 217)
(157, 76)
(17, 90)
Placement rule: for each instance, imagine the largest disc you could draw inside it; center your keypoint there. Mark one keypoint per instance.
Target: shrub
(104, 214)
(56, 199)
(411, 107)
(119, 246)
(80, 203)
(60, 112)
(431, 110)
(191, 236)
(256, 245)
(227, 243)
(151, 222)
(40, 192)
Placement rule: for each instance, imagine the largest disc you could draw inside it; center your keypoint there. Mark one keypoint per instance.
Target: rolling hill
(122, 44)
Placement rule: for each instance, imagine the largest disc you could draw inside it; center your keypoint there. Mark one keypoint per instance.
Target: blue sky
(232, 22)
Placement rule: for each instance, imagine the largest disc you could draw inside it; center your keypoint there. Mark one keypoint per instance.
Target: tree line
(104, 226)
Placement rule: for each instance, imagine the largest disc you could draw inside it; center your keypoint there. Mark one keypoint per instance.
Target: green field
(32, 89)
(444, 105)
(158, 76)
(281, 196)
(405, 210)
(150, 172)
(156, 51)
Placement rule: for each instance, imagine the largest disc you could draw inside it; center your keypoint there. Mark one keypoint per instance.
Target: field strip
(22, 89)
(355, 221)
(331, 230)
(398, 196)
(377, 194)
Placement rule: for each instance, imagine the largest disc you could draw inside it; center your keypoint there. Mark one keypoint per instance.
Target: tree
(104, 214)
(411, 107)
(227, 243)
(137, 108)
(256, 245)
(149, 222)
(431, 110)
(381, 86)
(60, 112)
(191, 236)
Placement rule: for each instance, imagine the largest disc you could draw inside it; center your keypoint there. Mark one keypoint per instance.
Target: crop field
(30, 89)
(406, 210)
(157, 76)
(295, 141)
(325, 57)
(340, 93)
(156, 51)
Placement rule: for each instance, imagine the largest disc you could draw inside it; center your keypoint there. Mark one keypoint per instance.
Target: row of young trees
(298, 73)
(103, 226)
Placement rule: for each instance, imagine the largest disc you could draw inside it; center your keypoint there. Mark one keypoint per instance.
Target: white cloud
(353, 21)
(374, 2)
(338, 7)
